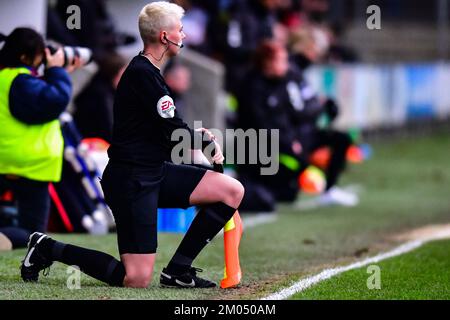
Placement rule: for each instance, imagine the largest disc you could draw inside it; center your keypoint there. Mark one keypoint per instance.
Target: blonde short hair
(157, 16)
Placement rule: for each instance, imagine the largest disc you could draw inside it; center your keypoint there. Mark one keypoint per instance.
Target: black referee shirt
(144, 117)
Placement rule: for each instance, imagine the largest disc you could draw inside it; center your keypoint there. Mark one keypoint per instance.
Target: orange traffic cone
(231, 239)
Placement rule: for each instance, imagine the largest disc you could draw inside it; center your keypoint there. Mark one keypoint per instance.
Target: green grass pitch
(405, 186)
(420, 274)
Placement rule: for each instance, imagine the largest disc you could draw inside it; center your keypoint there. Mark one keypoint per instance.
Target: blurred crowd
(265, 46)
(229, 31)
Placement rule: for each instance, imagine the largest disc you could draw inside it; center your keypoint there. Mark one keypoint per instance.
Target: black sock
(207, 223)
(96, 264)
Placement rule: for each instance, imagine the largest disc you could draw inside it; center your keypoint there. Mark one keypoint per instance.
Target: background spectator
(31, 143)
(93, 113)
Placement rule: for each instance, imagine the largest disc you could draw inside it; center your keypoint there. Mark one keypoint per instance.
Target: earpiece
(181, 45)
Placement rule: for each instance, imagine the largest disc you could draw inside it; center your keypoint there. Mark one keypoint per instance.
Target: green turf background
(420, 274)
(405, 185)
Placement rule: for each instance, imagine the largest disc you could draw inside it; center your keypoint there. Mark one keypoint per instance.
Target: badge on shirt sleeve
(166, 107)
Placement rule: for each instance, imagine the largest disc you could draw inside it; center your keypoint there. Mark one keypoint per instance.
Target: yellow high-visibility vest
(31, 151)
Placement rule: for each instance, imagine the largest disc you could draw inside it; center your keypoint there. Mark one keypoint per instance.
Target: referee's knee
(235, 194)
(138, 279)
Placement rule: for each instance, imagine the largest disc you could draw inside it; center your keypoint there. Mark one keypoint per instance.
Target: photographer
(31, 143)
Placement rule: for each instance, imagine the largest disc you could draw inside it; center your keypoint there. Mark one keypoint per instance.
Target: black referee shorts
(135, 193)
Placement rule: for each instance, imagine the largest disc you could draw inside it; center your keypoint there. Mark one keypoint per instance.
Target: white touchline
(328, 273)
(250, 221)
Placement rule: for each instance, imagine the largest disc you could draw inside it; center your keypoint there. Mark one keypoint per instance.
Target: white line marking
(305, 283)
(250, 221)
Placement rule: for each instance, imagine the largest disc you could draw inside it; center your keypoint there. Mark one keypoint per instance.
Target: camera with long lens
(70, 53)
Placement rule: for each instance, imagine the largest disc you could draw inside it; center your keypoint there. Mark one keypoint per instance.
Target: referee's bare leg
(227, 190)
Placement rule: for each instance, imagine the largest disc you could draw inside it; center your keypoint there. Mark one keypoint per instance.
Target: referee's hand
(218, 156)
(211, 137)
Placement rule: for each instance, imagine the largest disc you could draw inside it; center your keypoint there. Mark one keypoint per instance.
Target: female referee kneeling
(140, 178)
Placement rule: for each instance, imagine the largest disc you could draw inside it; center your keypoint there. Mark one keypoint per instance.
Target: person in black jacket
(248, 23)
(262, 105)
(141, 177)
(277, 96)
(306, 116)
(304, 109)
